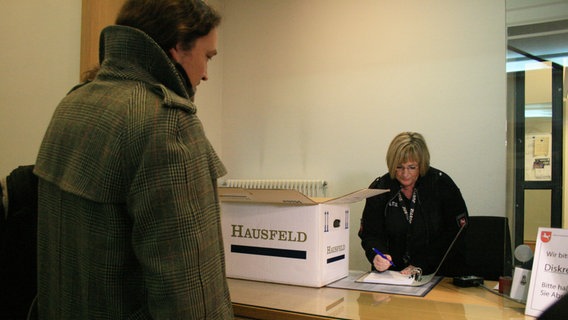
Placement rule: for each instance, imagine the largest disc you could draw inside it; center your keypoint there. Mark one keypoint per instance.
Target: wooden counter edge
(253, 312)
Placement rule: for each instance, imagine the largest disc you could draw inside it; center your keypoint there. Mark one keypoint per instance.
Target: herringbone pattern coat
(129, 224)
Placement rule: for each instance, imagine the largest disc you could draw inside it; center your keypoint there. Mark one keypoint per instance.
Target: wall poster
(538, 156)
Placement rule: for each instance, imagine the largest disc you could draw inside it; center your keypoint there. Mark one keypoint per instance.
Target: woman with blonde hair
(414, 223)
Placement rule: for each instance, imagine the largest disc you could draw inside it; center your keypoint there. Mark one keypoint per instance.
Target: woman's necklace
(408, 213)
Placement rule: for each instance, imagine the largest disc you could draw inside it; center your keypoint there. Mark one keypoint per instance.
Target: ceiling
(537, 30)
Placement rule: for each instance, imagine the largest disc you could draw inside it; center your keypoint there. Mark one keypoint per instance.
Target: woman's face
(407, 173)
(194, 61)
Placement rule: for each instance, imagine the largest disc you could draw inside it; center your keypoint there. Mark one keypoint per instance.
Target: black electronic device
(468, 281)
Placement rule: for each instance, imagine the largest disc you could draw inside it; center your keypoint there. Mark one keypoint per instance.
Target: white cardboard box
(284, 236)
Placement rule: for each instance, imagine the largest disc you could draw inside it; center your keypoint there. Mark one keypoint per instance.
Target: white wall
(39, 62)
(318, 88)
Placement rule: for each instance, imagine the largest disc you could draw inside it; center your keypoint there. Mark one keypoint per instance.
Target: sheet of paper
(541, 146)
(387, 277)
(353, 282)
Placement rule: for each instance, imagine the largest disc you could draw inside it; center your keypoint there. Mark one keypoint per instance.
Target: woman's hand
(382, 264)
(408, 270)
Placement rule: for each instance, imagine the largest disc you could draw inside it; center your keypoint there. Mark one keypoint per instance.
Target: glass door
(537, 39)
(537, 115)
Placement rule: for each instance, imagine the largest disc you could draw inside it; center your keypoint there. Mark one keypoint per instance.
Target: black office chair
(18, 229)
(488, 251)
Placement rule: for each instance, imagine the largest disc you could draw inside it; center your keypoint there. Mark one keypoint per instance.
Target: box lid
(290, 196)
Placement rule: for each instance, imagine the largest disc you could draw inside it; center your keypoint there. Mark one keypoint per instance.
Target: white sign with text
(549, 280)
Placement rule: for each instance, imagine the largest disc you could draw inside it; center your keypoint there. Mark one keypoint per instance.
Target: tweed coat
(129, 218)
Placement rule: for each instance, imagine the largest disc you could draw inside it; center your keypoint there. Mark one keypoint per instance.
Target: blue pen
(383, 256)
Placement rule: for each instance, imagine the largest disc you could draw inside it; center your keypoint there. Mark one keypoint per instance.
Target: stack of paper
(387, 277)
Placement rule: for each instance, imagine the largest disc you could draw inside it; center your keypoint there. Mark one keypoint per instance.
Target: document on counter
(353, 282)
(386, 277)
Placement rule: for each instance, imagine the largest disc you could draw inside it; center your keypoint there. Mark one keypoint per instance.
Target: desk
(263, 300)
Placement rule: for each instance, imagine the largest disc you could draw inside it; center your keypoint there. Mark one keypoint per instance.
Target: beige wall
(306, 88)
(318, 88)
(39, 62)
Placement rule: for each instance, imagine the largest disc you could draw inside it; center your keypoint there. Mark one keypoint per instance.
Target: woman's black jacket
(440, 211)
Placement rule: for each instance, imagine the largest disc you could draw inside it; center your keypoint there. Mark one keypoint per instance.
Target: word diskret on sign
(549, 280)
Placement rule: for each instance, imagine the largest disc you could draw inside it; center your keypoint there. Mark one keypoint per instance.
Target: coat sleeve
(449, 211)
(372, 228)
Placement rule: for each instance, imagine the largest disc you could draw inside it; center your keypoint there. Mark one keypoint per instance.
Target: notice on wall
(549, 279)
(538, 149)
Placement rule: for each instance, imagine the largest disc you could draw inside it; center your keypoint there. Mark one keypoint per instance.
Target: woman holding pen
(413, 224)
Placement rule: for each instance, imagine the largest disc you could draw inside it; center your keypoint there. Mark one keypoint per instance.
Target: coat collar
(123, 46)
